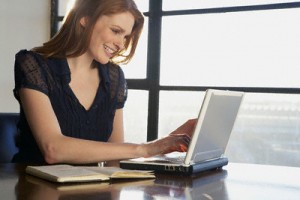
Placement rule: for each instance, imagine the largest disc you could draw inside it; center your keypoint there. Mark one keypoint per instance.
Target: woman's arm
(58, 148)
(117, 135)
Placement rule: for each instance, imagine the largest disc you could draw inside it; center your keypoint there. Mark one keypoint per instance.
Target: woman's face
(109, 35)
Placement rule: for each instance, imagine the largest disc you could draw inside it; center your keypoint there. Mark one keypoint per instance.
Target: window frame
(152, 81)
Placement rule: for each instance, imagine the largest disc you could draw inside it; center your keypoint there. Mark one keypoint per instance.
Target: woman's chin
(103, 61)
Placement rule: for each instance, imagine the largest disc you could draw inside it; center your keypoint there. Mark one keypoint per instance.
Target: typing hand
(168, 144)
(187, 128)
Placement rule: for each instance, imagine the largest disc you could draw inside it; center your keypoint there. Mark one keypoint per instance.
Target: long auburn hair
(73, 40)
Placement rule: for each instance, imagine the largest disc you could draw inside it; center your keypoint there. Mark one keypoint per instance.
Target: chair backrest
(8, 134)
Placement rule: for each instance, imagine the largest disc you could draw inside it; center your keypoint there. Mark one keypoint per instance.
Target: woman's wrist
(141, 150)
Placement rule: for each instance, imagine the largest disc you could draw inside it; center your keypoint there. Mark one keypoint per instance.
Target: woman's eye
(115, 31)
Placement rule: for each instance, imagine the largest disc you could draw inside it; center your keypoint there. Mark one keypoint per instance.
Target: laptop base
(176, 169)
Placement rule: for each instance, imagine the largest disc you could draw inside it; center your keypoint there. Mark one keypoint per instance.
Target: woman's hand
(178, 140)
(168, 144)
(187, 128)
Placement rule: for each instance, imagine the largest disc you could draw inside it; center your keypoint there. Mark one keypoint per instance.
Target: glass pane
(64, 6)
(136, 68)
(196, 4)
(143, 5)
(267, 130)
(135, 116)
(244, 49)
(175, 108)
(59, 25)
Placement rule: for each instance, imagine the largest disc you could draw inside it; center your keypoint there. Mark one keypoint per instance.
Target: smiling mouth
(110, 50)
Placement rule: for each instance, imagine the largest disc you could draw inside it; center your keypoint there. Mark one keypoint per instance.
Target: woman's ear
(83, 21)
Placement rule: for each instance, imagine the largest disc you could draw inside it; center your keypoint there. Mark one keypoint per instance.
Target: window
(235, 49)
(189, 46)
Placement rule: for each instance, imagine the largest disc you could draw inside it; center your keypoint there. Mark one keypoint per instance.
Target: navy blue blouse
(52, 77)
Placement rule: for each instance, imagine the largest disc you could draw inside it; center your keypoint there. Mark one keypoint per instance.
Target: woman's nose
(120, 43)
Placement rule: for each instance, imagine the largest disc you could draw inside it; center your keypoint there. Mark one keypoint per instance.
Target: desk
(235, 181)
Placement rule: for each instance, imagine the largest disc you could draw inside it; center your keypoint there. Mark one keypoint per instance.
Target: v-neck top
(52, 77)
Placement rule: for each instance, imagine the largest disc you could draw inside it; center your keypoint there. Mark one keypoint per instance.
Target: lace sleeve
(122, 92)
(28, 73)
(118, 85)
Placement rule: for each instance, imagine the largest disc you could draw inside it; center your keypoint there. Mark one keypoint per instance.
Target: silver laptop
(215, 123)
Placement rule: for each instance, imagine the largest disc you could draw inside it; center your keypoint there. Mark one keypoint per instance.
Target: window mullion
(153, 66)
(54, 15)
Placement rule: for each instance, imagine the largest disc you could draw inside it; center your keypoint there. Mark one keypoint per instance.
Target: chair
(8, 134)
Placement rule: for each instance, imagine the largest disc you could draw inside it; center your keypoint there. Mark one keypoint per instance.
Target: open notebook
(216, 120)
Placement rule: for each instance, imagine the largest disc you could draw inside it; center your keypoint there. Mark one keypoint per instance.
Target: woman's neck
(80, 63)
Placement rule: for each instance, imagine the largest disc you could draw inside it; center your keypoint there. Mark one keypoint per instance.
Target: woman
(71, 90)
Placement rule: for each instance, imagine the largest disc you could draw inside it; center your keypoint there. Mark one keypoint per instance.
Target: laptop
(215, 123)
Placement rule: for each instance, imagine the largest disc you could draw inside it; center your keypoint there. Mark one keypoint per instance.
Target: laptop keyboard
(173, 157)
(179, 159)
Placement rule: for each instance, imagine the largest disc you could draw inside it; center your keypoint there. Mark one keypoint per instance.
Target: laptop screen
(216, 120)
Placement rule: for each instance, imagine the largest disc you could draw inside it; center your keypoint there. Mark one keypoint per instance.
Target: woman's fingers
(176, 142)
(186, 128)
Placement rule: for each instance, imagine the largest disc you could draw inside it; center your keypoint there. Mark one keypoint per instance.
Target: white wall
(23, 25)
